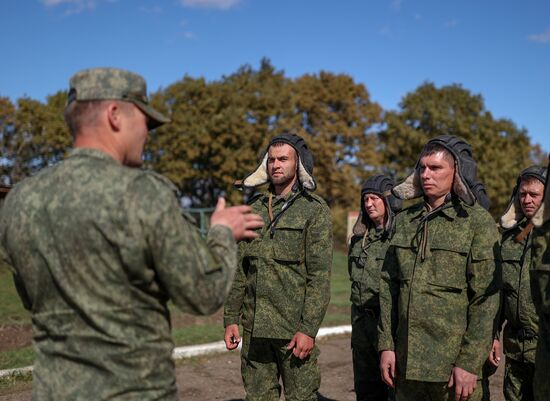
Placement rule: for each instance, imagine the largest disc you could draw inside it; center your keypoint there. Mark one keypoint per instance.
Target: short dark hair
(433, 148)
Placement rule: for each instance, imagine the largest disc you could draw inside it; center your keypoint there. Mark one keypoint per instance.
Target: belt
(526, 335)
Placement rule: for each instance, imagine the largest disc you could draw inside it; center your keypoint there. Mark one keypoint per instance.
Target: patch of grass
(17, 358)
(11, 308)
(198, 334)
(340, 285)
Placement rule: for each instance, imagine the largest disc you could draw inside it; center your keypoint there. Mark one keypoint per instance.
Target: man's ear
(114, 114)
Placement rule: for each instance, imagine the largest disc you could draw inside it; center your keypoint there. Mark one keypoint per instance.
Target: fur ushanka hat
(513, 214)
(305, 163)
(465, 173)
(379, 185)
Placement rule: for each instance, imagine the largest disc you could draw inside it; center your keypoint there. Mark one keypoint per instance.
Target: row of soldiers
(98, 247)
(432, 285)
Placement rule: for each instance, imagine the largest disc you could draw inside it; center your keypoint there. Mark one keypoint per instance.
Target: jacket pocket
(288, 242)
(449, 260)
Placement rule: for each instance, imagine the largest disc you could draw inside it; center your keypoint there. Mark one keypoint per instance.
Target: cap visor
(156, 119)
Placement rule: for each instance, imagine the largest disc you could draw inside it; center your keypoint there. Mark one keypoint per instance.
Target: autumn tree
(501, 149)
(335, 115)
(217, 131)
(34, 135)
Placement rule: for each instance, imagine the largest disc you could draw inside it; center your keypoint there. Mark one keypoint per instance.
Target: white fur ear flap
(359, 228)
(410, 188)
(540, 216)
(259, 176)
(305, 178)
(512, 215)
(544, 211)
(462, 190)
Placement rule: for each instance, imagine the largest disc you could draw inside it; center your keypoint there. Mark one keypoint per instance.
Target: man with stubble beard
(282, 284)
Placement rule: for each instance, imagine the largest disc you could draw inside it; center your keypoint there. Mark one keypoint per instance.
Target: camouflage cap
(114, 84)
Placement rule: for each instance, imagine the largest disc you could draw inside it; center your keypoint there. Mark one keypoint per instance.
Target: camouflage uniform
(365, 264)
(443, 301)
(520, 332)
(282, 286)
(97, 249)
(366, 254)
(540, 287)
(540, 290)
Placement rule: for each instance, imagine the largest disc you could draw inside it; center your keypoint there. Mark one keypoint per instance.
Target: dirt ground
(218, 377)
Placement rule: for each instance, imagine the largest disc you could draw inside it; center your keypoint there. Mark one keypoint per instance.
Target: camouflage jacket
(282, 284)
(365, 260)
(517, 304)
(540, 289)
(97, 249)
(439, 290)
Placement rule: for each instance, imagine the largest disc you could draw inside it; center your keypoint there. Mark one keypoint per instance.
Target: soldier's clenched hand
(464, 383)
(232, 336)
(494, 354)
(387, 367)
(302, 345)
(239, 219)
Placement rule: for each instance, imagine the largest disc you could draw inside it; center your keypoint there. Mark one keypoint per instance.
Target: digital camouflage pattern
(409, 390)
(97, 250)
(282, 286)
(439, 311)
(365, 259)
(540, 288)
(301, 378)
(519, 339)
(518, 380)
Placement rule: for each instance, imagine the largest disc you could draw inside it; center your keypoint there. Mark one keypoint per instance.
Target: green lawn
(201, 330)
(11, 309)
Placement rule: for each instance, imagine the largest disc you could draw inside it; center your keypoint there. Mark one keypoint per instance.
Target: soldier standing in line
(439, 286)
(371, 236)
(540, 290)
(282, 286)
(517, 309)
(98, 246)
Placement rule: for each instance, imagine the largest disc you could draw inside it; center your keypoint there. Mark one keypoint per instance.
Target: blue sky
(497, 48)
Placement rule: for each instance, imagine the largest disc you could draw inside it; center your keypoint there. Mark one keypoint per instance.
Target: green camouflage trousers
(410, 390)
(518, 380)
(264, 361)
(366, 372)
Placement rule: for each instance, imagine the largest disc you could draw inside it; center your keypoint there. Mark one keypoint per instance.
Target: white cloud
(217, 4)
(543, 37)
(74, 6)
(189, 35)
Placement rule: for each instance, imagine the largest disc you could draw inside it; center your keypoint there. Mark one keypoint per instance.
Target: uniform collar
(89, 152)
